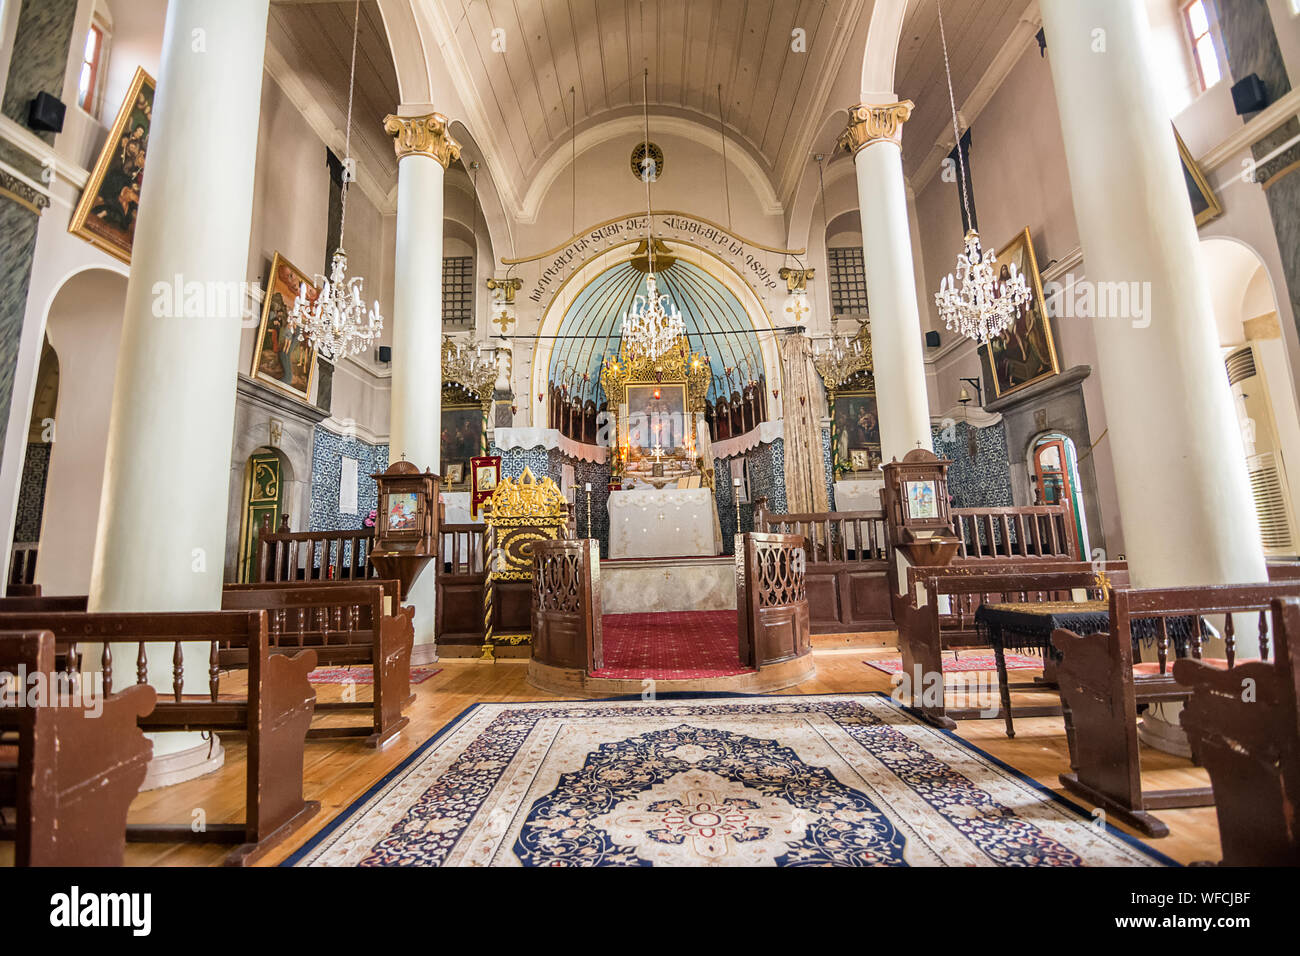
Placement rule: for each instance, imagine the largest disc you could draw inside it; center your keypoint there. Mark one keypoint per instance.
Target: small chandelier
(652, 323)
(333, 316)
(977, 303)
(469, 367)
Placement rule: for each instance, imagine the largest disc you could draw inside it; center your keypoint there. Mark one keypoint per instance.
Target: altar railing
(849, 566)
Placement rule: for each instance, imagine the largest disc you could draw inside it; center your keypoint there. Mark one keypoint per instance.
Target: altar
(661, 523)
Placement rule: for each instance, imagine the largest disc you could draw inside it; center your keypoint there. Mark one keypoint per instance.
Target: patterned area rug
(676, 645)
(843, 780)
(967, 662)
(364, 675)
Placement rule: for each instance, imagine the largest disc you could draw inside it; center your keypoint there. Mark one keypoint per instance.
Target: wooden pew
(924, 633)
(75, 765)
(1242, 725)
(274, 713)
(1102, 689)
(334, 618)
(345, 624)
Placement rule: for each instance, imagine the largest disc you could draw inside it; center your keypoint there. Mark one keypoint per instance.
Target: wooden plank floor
(337, 772)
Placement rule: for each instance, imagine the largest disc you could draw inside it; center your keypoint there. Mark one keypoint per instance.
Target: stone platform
(648, 585)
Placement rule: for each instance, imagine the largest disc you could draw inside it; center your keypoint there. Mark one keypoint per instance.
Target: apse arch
(723, 283)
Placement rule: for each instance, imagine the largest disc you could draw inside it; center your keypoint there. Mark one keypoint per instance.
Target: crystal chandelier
(468, 367)
(652, 323)
(333, 316)
(977, 303)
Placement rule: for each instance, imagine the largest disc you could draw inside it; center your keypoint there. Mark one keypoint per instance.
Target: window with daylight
(1203, 52)
(848, 281)
(458, 290)
(92, 64)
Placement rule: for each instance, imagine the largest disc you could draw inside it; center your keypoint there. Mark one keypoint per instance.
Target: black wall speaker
(46, 113)
(1249, 95)
(385, 353)
(932, 340)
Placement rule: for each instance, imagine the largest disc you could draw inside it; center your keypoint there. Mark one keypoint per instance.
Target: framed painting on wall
(1026, 352)
(280, 358)
(857, 427)
(1205, 205)
(106, 213)
(462, 434)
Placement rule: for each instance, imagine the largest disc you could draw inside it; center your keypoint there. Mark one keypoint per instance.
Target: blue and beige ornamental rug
(841, 780)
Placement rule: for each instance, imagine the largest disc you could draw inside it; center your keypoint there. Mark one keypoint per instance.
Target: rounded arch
(1051, 486)
(739, 151)
(84, 327)
(491, 204)
(881, 53)
(761, 323)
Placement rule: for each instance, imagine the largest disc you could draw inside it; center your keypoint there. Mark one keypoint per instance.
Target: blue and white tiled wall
(766, 467)
(31, 494)
(514, 460)
(982, 481)
(328, 452)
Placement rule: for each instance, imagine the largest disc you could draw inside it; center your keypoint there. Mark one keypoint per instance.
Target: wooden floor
(337, 772)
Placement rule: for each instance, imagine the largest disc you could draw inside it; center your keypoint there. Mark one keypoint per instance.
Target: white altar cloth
(665, 523)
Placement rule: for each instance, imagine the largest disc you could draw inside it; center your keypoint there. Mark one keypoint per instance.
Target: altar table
(664, 523)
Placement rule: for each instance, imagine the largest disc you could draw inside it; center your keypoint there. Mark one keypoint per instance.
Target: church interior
(678, 433)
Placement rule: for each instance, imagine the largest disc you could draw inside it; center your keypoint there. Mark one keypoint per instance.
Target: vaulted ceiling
(536, 68)
(976, 30)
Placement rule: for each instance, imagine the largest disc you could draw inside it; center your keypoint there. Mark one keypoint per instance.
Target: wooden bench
(274, 713)
(1242, 725)
(924, 632)
(1103, 688)
(76, 761)
(345, 623)
(334, 618)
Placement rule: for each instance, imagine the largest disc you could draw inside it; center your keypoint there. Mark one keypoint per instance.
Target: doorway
(1054, 472)
(263, 501)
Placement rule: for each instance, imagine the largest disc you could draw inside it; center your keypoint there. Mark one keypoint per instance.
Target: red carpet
(676, 645)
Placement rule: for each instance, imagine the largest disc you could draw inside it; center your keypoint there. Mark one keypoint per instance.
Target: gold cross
(798, 309)
(505, 320)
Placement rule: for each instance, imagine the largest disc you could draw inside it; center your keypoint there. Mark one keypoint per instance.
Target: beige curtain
(805, 472)
(704, 449)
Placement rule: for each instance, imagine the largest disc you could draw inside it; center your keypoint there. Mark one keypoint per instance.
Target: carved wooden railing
(286, 555)
(566, 604)
(1027, 531)
(849, 566)
(836, 533)
(772, 622)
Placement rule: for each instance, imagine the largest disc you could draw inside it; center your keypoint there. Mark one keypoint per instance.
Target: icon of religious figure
(283, 358)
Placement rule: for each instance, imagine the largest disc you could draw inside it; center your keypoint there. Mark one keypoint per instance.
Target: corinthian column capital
(874, 124)
(423, 136)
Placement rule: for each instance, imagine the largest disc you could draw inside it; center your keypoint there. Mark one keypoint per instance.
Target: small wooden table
(1031, 625)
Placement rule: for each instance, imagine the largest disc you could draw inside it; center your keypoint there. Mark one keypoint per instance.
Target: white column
(161, 537)
(1185, 501)
(424, 150)
(875, 136)
(162, 519)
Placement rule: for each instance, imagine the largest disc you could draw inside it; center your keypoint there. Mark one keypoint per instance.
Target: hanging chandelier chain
(956, 129)
(347, 128)
(332, 318)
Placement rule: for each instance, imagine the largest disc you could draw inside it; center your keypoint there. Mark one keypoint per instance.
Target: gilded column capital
(422, 136)
(874, 124)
